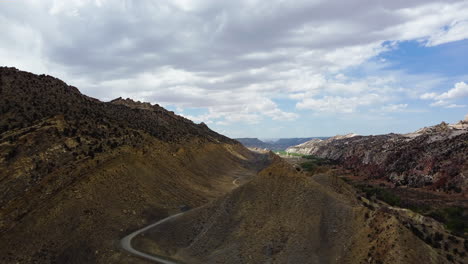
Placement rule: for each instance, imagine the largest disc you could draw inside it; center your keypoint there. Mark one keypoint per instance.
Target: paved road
(126, 242)
(235, 182)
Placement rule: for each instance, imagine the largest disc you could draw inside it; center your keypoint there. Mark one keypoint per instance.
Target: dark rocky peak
(136, 104)
(203, 125)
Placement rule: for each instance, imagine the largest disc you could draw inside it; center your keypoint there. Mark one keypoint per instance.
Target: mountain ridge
(77, 174)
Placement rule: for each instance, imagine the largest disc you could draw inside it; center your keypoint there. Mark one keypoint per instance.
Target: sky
(250, 68)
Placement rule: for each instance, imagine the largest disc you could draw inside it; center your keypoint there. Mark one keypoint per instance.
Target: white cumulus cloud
(446, 99)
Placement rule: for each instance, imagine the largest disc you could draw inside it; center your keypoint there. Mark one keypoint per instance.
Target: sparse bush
(417, 232)
(438, 237)
(98, 149)
(450, 258)
(428, 240)
(11, 154)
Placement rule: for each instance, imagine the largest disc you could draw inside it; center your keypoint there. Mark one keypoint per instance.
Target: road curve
(235, 182)
(126, 242)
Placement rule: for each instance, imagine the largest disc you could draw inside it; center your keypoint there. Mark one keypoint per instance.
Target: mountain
(77, 174)
(279, 144)
(253, 143)
(287, 216)
(433, 157)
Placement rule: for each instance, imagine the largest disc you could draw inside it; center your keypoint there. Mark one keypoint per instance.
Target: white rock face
(441, 131)
(438, 132)
(313, 145)
(415, 159)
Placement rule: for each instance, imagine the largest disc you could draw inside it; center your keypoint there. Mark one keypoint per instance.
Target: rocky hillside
(27, 98)
(433, 157)
(77, 174)
(253, 143)
(285, 216)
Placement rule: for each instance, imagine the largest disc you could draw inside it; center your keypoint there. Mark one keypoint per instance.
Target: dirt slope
(284, 216)
(77, 174)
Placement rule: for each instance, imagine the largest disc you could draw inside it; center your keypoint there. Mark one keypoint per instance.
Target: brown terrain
(287, 216)
(78, 174)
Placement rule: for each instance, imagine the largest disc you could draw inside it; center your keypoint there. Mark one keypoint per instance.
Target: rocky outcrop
(313, 145)
(435, 157)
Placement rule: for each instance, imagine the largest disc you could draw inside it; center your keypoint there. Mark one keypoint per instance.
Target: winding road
(235, 182)
(126, 242)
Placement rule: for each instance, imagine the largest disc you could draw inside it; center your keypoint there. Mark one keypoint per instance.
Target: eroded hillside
(78, 174)
(286, 216)
(435, 157)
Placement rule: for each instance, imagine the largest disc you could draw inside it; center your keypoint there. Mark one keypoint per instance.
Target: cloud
(446, 104)
(457, 30)
(235, 61)
(459, 91)
(429, 96)
(394, 108)
(446, 99)
(337, 104)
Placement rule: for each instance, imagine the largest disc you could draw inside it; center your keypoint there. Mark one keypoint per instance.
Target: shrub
(450, 258)
(438, 237)
(11, 154)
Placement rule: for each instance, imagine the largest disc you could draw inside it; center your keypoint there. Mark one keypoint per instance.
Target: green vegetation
(284, 153)
(317, 161)
(455, 219)
(315, 164)
(381, 194)
(418, 208)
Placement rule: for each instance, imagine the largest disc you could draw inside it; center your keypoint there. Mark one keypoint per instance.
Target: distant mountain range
(280, 144)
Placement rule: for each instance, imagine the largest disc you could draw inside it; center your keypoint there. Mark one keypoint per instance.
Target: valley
(285, 215)
(78, 174)
(86, 181)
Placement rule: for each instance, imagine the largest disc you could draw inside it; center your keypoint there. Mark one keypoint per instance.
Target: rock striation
(435, 157)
